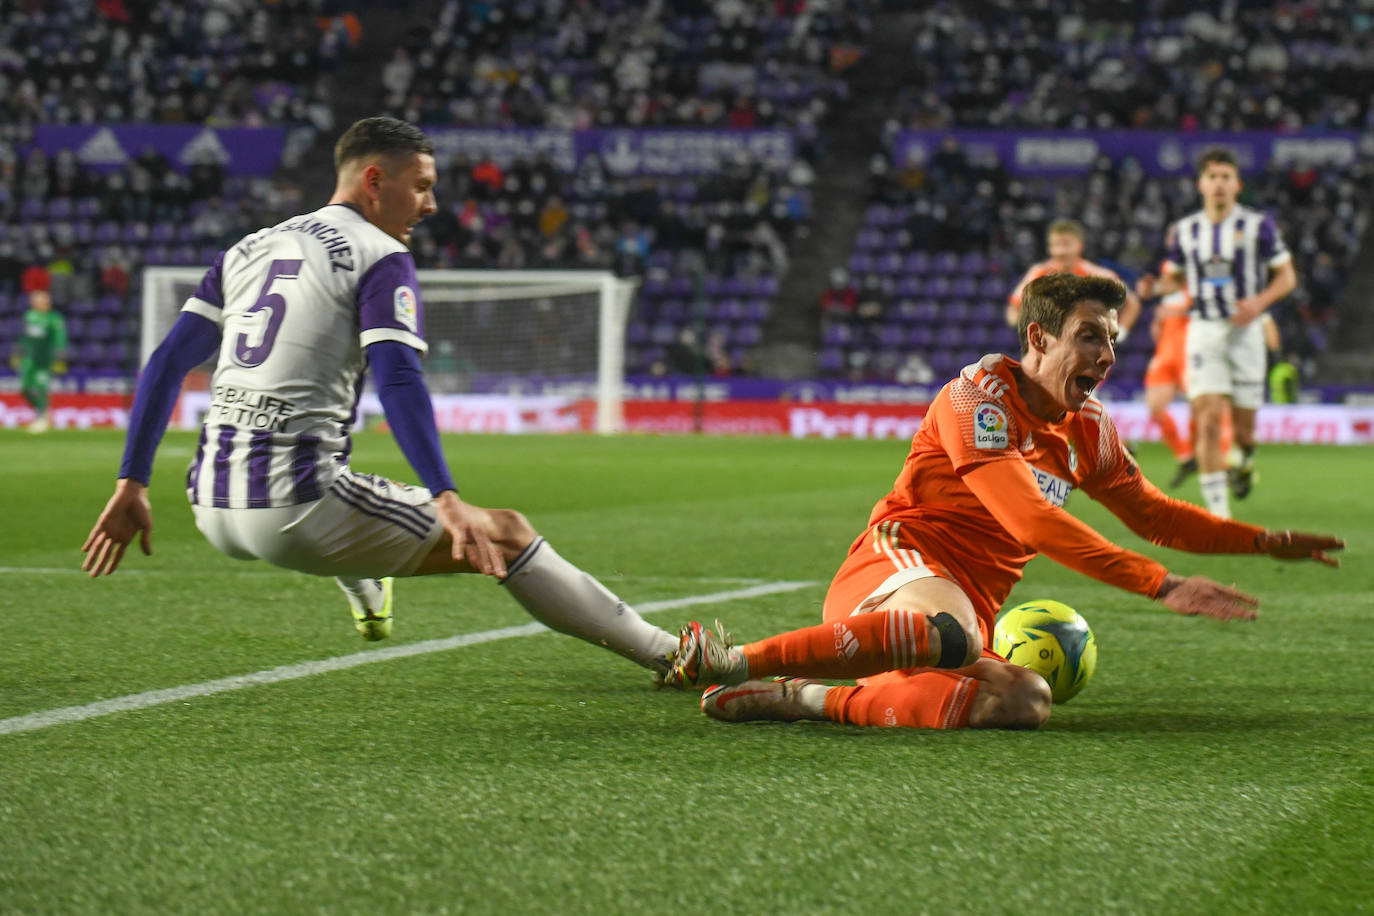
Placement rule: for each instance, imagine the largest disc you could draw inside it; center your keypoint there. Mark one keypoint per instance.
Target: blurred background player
(911, 610)
(1234, 265)
(39, 353)
(1165, 379)
(1064, 240)
(297, 313)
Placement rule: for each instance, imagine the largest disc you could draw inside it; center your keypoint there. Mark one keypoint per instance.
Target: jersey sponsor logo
(1055, 489)
(406, 314)
(990, 427)
(250, 409)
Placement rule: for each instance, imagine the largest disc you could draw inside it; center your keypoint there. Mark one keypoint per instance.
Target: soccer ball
(1049, 638)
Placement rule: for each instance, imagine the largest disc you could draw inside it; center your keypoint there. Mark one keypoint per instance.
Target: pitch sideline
(36, 720)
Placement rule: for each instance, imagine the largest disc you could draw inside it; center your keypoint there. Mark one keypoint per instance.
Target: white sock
(812, 698)
(566, 599)
(364, 594)
(1214, 493)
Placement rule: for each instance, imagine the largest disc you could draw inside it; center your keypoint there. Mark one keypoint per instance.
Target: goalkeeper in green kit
(39, 353)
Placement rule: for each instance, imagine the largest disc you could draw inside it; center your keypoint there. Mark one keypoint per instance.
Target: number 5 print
(247, 353)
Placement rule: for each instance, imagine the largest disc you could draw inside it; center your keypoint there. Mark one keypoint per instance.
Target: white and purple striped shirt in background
(1227, 261)
(295, 304)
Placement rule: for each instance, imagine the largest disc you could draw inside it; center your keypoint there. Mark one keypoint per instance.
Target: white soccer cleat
(702, 657)
(778, 700)
(39, 425)
(374, 625)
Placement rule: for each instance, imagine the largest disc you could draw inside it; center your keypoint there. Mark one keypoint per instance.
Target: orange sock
(1169, 430)
(858, 646)
(933, 699)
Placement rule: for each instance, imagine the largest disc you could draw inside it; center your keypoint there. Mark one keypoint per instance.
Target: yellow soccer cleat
(375, 625)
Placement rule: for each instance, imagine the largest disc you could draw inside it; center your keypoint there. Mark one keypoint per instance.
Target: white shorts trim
(1226, 360)
(362, 526)
(890, 585)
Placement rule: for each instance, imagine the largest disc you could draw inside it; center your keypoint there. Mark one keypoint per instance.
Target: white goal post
(515, 332)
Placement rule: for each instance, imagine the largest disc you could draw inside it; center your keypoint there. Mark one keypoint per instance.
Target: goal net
(490, 332)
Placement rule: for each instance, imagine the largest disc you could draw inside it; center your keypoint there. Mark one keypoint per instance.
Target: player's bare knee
(511, 530)
(960, 643)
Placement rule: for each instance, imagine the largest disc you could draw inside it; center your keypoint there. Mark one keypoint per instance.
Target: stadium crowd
(561, 63)
(1161, 64)
(74, 61)
(944, 243)
(941, 243)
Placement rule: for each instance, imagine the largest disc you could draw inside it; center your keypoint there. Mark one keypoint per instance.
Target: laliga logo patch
(406, 313)
(989, 427)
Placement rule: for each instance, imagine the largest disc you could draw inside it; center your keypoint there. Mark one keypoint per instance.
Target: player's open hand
(1200, 596)
(126, 514)
(467, 525)
(1299, 545)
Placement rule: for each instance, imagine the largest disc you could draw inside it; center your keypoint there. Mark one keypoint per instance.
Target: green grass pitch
(1208, 768)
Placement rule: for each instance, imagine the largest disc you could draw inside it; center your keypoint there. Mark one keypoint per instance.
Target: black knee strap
(953, 641)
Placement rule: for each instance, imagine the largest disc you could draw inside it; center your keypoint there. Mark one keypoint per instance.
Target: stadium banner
(662, 151)
(1050, 153)
(243, 151)
(1314, 424)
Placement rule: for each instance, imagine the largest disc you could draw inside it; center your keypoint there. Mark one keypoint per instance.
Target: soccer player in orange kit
(911, 610)
(1064, 241)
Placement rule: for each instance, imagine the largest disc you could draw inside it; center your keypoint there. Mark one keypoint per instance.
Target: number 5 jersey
(296, 304)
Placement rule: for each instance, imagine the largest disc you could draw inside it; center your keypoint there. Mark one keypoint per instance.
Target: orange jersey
(1082, 267)
(983, 488)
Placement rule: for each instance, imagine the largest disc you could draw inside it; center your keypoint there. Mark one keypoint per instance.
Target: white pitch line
(37, 720)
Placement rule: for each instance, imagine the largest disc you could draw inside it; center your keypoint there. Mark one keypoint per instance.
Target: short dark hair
(381, 136)
(1065, 227)
(1217, 155)
(1048, 300)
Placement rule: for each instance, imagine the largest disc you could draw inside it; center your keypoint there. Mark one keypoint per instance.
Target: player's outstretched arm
(1198, 596)
(126, 514)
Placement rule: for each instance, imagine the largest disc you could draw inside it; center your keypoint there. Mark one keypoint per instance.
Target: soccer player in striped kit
(297, 312)
(1234, 265)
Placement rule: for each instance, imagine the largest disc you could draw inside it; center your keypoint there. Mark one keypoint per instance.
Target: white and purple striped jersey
(295, 304)
(1227, 261)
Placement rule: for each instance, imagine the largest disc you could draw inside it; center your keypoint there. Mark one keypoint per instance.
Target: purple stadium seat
(972, 263)
(727, 310)
(860, 263)
(756, 311)
(949, 336)
(675, 311)
(922, 336)
(928, 311)
(909, 288)
(766, 285)
(663, 333)
(986, 313)
(963, 287)
(830, 360)
(109, 304)
(101, 327)
(134, 233)
(837, 335)
(162, 233)
(889, 264)
(917, 262)
(746, 335)
(88, 207)
(957, 311)
(60, 208)
(993, 286)
(107, 232)
(946, 262)
(939, 287)
(31, 209)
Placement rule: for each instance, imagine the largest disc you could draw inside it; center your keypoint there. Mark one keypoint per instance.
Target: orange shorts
(882, 560)
(1170, 363)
